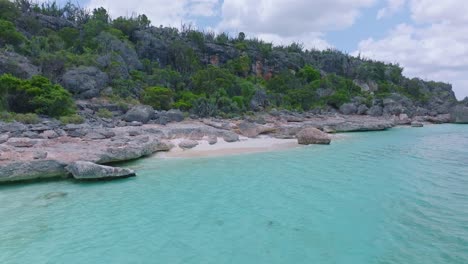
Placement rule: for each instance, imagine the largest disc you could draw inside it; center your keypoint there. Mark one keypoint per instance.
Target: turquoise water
(399, 196)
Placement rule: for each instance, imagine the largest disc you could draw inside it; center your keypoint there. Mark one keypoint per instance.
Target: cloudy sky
(428, 38)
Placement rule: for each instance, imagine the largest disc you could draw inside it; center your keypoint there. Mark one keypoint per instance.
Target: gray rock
(459, 114)
(20, 171)
(85, 82)
(375, 110)
(13, 127)
(79, 133)
(312, 135)
(84, 170)
(362, 109)
(212, 139)
(230, 137)
(188, 144)
(252, 130)
(175, 115)
(21, 142)
(132, 151)
(40, 155)
(4, 138)
(139, 113)
(348, 109)
(49, 134)
(17, 65)
(94, 136)
(135, 124)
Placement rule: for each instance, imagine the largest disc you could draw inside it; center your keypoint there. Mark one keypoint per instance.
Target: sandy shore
(243, 146)
(222, 148)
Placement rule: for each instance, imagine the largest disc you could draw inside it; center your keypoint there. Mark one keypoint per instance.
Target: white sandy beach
(244, 145)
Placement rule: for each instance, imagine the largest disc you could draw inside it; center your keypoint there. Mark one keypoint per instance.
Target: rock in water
(139, 113)
(312, 135)
(188, 144)
(84, 170)
(20, 171)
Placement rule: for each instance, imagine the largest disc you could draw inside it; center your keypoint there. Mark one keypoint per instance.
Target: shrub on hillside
(158, 97)
(37, 95)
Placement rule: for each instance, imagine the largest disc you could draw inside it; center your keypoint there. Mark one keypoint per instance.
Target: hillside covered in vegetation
(51, 56)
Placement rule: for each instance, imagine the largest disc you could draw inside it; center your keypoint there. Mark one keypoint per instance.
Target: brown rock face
(312, 135)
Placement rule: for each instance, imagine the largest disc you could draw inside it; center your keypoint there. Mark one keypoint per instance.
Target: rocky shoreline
(52, 150)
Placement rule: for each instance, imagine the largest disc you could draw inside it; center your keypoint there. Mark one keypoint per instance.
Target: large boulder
(139, 113)
(375, 110)
(312, 135)
(21, 171)
(459, 114)
(17, 65)
(230, 137)
(85, 82)
(132, 151)
(188, 144)
(348, 109)
(84, 170)
(252, 130)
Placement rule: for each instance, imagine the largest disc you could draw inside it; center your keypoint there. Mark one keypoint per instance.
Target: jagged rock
(375, 110)
(348, 109)
(139, 113)
(132, 151)
(459, 114)
(84, 170)
(4, 138)
(21, 142)
(252, 130)
(362, 109)
(85, 82)
(366, 86)
(229, 136)
(188, 144)
(417, 124)
(17, 65)
(20, 171)
(40, 155)
(49, 134)
(312, 135)
(79, 133)
(13, 127)
(259, 100)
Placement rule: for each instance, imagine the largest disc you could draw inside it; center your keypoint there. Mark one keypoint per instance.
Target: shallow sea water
(399, 196)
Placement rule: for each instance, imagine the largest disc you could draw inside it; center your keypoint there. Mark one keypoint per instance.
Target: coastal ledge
(40, 151)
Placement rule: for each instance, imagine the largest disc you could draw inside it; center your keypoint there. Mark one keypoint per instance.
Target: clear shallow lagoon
(399, 196)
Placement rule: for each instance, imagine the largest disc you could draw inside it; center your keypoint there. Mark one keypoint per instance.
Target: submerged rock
(312, 135)
(84, 170)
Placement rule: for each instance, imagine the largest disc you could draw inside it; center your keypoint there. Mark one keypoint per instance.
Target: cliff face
(93, 57)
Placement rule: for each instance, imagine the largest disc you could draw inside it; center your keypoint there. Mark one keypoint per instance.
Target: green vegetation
(71, 119)
(104, 113)
(203, 73)
(37, 95)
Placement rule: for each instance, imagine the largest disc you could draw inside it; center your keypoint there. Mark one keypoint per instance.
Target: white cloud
(392, 7)
(435, 50)
(160, 12)
(285, 21)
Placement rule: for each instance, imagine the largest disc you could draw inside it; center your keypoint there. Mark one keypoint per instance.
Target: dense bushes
(37, 95)
(158, 97)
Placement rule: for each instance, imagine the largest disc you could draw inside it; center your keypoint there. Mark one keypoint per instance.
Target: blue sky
(428, 38)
